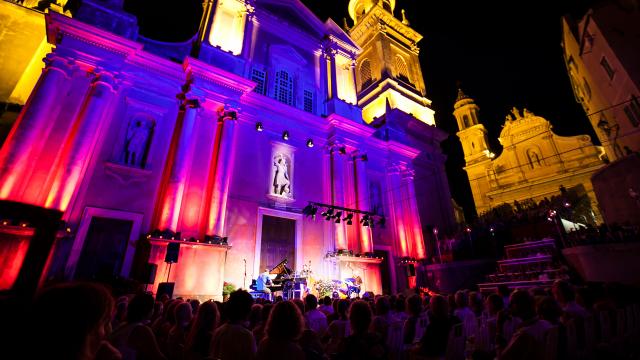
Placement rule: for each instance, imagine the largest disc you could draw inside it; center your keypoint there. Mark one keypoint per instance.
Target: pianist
(262, 282)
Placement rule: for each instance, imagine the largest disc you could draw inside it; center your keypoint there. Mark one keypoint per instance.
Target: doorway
(385, 274)
(104, 248)
(278, 242)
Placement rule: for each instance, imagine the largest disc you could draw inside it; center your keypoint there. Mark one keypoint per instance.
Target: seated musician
(262, 282)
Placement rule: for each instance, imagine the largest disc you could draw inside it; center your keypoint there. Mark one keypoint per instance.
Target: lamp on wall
(285, 135)
(259, 126)
(310, 143)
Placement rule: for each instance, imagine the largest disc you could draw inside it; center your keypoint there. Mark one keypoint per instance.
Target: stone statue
(527, 113)
(516, 113)
(136, 142)
(281, 181)
(508, 118)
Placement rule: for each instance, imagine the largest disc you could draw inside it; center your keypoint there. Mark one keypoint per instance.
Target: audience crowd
(83, 321)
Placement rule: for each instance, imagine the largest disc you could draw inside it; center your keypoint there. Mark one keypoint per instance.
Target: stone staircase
(527, 265)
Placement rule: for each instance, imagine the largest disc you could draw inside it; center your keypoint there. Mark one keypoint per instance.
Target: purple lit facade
(125, 139)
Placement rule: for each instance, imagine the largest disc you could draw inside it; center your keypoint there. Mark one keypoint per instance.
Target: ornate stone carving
(282, 176)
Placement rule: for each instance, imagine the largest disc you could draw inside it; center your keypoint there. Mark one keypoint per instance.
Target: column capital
(104, 77)
(58, 63)
(227, 112)
(359, 155)
(408, 174)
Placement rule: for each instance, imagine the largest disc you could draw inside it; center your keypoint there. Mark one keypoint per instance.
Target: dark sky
(504, 54)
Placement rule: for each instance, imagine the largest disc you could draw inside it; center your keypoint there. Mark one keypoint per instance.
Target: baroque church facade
(218, 144)
(534, 164)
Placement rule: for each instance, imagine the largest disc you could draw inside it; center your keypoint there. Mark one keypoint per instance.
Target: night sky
(503, 55)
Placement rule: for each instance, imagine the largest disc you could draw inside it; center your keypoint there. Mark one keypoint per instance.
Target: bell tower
(472, 134)
(388, 73)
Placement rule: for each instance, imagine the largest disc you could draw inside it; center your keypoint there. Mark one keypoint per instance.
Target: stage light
(382, 221)
(328, 214)
(310, 211)
(310, 143)
(349, 219)
(337, 216)
(285, 135)
(259, 126)
(365, 220)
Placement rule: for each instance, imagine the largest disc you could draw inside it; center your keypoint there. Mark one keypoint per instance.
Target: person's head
(195, 303)
(382, 305)
(359, 317)
(170, 314)
(439, 306)
(342, 308)
(69, 321)
(140, 308)
(414, 305)
(401, 303)
(563, 291)
(326, 301)
(310, 302)
(158, 308)
(205, 321)
(503, 290)
(266, 271)
(549, 309)
(184, 313)
(462, 300)
(264, 313)
(255, 315)
(121, 311)
(494, 303)
(285, 322)
(239, 305)
(475, 302)
(522, 305)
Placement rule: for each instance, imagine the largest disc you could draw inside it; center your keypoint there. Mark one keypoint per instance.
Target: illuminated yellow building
(388, 69)
(534, 162)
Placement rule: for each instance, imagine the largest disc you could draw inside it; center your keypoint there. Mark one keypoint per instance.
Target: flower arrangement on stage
(227, 288)
(325, 288)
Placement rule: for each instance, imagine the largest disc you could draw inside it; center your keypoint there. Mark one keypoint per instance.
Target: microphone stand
(244, 282)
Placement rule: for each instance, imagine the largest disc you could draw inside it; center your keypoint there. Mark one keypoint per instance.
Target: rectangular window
(605, 65)
(284, 87)
(633, 112)
(259, 78)
(308, 101)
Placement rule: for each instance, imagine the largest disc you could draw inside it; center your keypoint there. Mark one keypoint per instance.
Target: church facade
(534, 163)
(220, 143)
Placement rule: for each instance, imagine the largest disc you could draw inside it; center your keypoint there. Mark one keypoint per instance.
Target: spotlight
(310, 211)
(328, 214)
(342, 150)
(382, 221)
(435, 231)
(365, 220)
(337, 216)
(259, 126)
(285, 135)
(310, 143)
(349, 219)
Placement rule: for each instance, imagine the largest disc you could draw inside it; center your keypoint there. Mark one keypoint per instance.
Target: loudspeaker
(165, 288)
(148, 275)
(411, 270)
(173, 250)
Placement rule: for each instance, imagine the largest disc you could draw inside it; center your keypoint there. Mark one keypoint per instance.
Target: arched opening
(465, 120)
(402, 71)
(365, 74)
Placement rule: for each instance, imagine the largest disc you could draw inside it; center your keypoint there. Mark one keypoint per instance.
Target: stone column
(179, 168)
(81, 146)
(394, 186)
(248, 33)
(227, 120)
(337, 193)
(15, 152)
(413, 214)
(363, 201)
(334, 73)
(354, 81)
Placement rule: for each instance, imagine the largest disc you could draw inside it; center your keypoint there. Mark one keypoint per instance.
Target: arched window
(284, 87)
(401, 68)
(465, 120)
(534, 158)
(365, 74)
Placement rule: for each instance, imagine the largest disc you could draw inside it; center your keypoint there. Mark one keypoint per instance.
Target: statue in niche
(281, 180)
(136, 142)
(508, 118)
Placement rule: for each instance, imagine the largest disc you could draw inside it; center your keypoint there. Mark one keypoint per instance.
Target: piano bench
(260, 295)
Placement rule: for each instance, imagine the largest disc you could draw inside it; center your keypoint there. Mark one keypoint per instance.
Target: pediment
(294, 13)
(287, 53)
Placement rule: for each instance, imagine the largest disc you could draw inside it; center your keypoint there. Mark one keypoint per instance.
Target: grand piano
(283, 279)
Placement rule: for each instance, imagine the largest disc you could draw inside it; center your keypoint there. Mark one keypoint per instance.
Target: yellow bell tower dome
(359, 8)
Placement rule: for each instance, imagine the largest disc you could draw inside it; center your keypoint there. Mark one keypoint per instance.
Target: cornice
(201, 70)
(378, 15)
